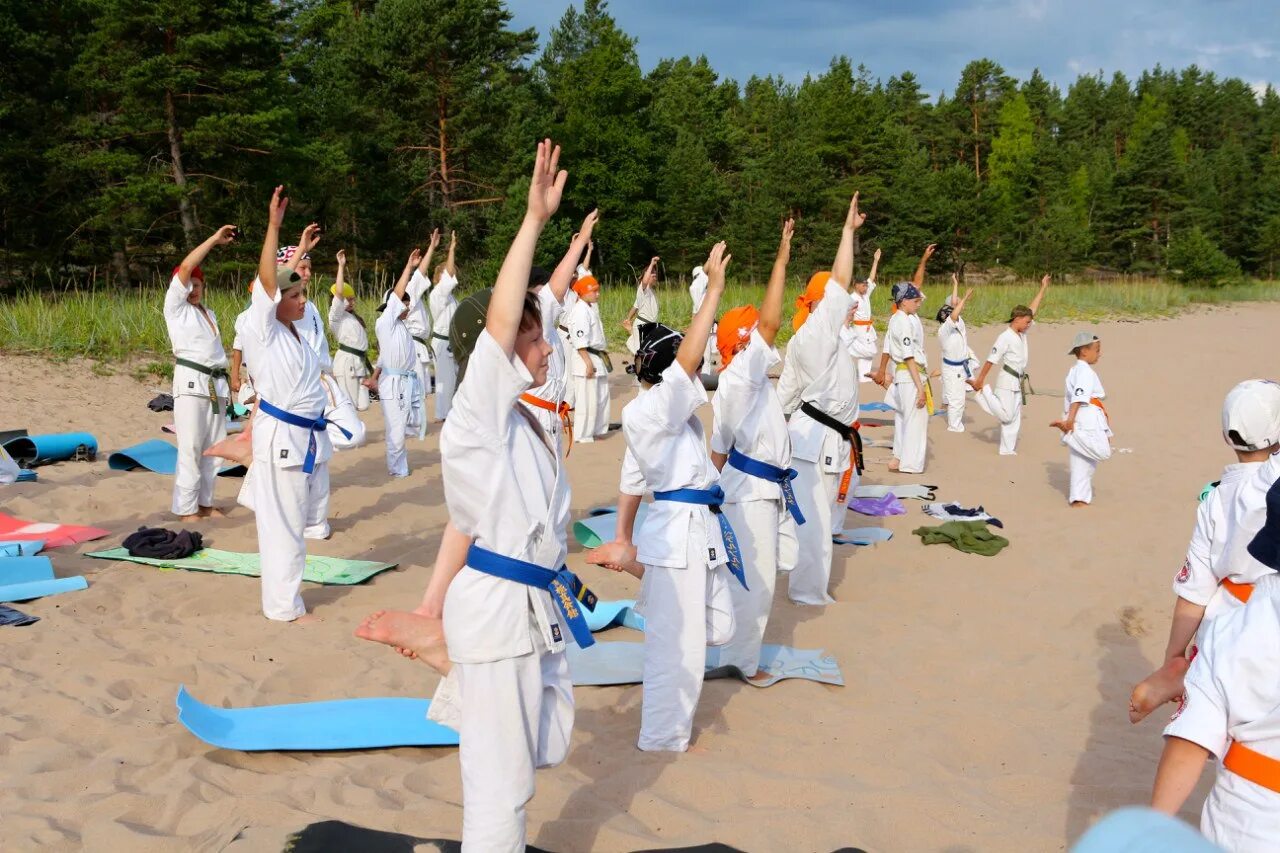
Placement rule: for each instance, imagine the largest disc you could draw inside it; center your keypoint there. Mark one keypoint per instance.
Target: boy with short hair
(1085, 425)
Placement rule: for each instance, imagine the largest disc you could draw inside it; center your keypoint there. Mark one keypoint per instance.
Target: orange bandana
(812, 296)
(735, 328)
(584, 285)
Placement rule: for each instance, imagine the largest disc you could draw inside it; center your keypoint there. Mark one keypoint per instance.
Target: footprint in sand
(1133, 623)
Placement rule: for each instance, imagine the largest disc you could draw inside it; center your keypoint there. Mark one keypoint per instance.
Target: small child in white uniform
(645, 307)
(1085, 425)
(442, 305)
(1005, 401)
(590, 363)
(864, 346)
(908, 388)
(957, 359)
(351, 363)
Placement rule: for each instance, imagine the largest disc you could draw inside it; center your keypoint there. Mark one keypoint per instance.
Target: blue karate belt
(712, 498)
(772, 473)
(964, 364)
(312, 425)
(565, 588)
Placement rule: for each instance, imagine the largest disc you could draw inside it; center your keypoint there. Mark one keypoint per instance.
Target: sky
(934, 39)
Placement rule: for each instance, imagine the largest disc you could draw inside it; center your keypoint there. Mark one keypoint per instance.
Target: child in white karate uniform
(645, 307)
(1213, 580)
(1231, 710)
(351, 365)
(1085, 425)
(1004, 402)
(420, 324)
(442, 304)
(819, 387)
(909, 386)
(682, 552)
(863, 345)
(201, 392)
(396, 377)
(752, 450)
(590, 364)
(958, 360)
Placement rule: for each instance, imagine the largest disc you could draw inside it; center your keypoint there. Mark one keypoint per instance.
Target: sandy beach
(985, 699)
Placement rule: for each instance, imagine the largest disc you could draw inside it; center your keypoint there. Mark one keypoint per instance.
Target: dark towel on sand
(9, 616)
(162, 403)
(161, 544)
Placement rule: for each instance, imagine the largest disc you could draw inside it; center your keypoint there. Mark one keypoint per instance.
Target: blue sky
(935, 38)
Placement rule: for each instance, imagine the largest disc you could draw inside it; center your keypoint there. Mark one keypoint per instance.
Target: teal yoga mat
(318, 569)
(21, 548)
(598, 527)
(609, 664)
(863, 536)
(337, 724)
(39, 589)
(158, 456)
(24, 570)
(31, 450)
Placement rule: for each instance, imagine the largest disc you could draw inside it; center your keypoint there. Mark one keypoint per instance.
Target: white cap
(1251, 415)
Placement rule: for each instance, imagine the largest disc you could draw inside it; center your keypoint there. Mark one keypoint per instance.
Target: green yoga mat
(329, 570)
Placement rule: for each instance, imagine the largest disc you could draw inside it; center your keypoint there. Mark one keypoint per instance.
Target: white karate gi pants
(199, 425)
(816, 493)
(765, 533)
(591, 407)
(446, 377)
(954, 390)
(685, 610)
(1005, 405)
(286, 501)
(395, 417)
(516, 717)
(910, 428)
(422, 365)
(1085, 449)
(348, 370)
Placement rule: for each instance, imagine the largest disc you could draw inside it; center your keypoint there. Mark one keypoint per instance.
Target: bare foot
(616, 557)
(306, 619)
(759, 677)
(409, 632)
(189, 518)
(1163, 685)
(1078, 504)
(237, 448)
(211, 512)
(893, 465)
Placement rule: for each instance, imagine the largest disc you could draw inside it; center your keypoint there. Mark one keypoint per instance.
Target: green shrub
(1196, 259)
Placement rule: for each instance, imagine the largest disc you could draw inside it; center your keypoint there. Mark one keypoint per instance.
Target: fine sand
(985, 706)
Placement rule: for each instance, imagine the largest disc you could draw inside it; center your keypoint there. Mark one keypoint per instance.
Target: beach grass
(69, 319)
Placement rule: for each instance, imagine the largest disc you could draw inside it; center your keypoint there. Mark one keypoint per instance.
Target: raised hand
(225, 235)
(434, 240)
(453, 240)
(929, 250)
(279, 204)
(854, 220)
(588, 225)
(716, 264)
(342, 258)
(310, 236)
(876, 256)
(784, 245)
(415, 257)
(651, 272)
(547, 184)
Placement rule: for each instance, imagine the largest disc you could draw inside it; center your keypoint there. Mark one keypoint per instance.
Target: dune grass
(127, 325)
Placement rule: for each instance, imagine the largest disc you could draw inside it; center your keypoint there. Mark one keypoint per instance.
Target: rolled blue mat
(16, 570)
(25, 476)
(59, 447)
(337, 724)
(39, 589)
(21, 548)
(158, 456)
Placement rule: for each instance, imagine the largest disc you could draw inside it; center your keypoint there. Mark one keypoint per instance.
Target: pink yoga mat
(53, 534)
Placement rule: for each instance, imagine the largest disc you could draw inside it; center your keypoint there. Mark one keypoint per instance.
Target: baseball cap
(1082, 339)
(1251, 415)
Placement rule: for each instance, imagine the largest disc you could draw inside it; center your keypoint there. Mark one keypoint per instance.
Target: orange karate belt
(864, 323)
(855, 462)
(1241, 591)
(1253, 765)
(1094, 401)
(563, 410)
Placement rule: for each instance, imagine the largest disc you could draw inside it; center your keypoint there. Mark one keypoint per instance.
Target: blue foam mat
(14, 570)
(863, 536)
(26, 476)
(609, 664)
(21, 548)
(315, 726)
(39, 589)
(611, 614)
(158, 456)
(58, 447)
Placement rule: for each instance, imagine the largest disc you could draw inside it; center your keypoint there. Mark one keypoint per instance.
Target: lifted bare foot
(1163, 685)
(236, 448)
(617, 557)
(410, 634)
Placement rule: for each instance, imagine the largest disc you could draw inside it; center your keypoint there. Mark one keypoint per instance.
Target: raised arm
(450, 261)
(415, 257)
(221, 237)
(842, 269)
(918, 278)
(1035, 303)
(959, 303)
(695, 339)
(771, 307)
(271, 242)
(338, 306)
(562, 276)
(425, 264)
(306, 242)
(507, 302)
(591, 247)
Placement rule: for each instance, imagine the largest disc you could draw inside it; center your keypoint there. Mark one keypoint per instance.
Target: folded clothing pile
(161, 403)
(161, 544)
(971, 537)
(955, 512)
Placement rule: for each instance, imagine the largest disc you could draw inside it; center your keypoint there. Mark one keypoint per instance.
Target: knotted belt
(212, 372)
(1024, 382)
(772, 473)
(563, 410)
(362, 354)
(850, 434)
(312, 425)
(964, 362)
(565, 588)
(712, 498)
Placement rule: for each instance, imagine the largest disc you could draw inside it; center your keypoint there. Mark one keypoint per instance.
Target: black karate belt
(848, 433)
(362, 354)
(604, 356)
(213, 373)
(426, 343)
